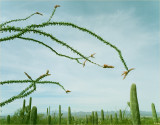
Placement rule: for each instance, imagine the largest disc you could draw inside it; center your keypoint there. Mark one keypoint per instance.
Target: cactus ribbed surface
(96, 118)
(69, 116)
(116, 119)
(92, 118)
(59, 115)
(111, 119)
(102, 115)
(107, 118)
(30, 105)
(28, 111)
(154, 114)
(86, 120)
(8, 119)
(34, 115)
(134, 107)
(23, 110)
(49, 119)
(120, 115)
(47, 111)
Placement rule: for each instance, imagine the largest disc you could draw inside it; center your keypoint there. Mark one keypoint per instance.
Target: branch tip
(107, 66)
(56, 6)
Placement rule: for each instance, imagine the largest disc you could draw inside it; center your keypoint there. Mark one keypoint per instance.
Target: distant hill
(83, 114)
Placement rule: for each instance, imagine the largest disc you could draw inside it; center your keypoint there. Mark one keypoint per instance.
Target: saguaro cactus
(47, 111)
(34, 115)
(49, 119)
(59, 115)
(102, 115)
(107, 118)
(28, 111)
(30, 105)
(111, 119)
(134, 107)
(116, 119)
(120, 115)
(154, 114)
(92, 118)
(69, 116)
(8, 119)
(23, 110)
(96, 118)
(86, 120)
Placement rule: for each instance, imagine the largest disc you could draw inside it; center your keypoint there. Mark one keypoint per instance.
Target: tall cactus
(47, 111)
(28, 111)
(96, 118)
(107, 118)
(30, 105)
(8, 119)
(49, 119)
(92, 118)
(111, 119)
(134, 107)
(69, 116)
(116, 119)
(154, 114)
(33, 115)
(120, 115)
(60, 114)
(23, 110)
(102, 115)
(86, 120)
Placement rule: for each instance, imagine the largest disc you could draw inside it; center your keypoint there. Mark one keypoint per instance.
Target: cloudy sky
(131, 26)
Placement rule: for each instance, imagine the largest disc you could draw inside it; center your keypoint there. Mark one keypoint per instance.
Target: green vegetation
(154, 114)
(69, 120)
(134, 106)
(33, 120)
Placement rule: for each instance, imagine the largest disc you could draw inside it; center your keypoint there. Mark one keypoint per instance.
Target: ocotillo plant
(92, 117)
(34, 28)
(33, 120)
(96, 118)
(134, 106)
(27, 91)
(59, 115)
(102, 116)
(69, 116)
(8, 119)
(154, 113)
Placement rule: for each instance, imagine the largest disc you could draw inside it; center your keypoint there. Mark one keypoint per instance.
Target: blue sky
(132, 26)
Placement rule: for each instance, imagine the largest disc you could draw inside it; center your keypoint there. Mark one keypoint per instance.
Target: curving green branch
(34, 28)
(28, 90)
